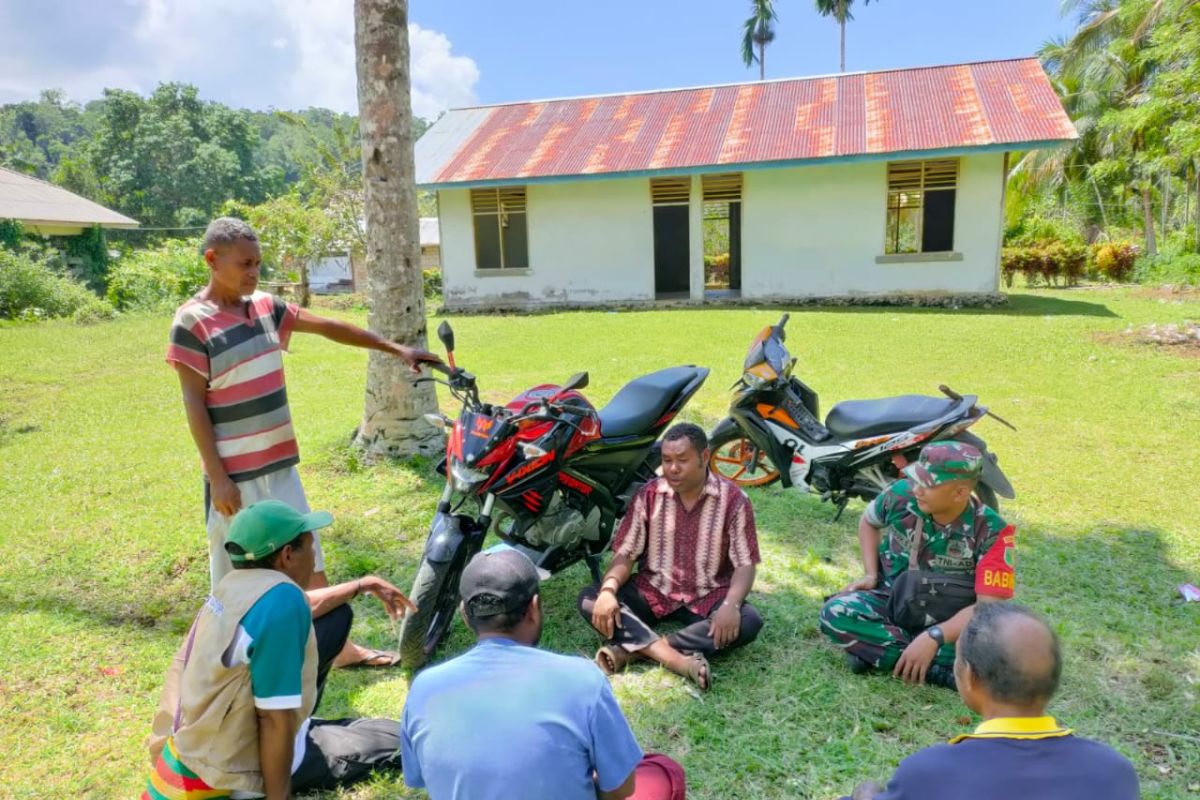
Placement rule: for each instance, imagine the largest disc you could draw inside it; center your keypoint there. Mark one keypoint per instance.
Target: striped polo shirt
(241, 358)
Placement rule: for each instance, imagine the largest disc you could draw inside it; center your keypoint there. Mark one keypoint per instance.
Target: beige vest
(216, 726)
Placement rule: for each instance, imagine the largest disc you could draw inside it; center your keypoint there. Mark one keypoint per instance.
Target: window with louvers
(501, 228)
(920, 206)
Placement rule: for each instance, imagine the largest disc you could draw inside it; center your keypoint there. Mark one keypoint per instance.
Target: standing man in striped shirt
(692, 535)
(226, 345)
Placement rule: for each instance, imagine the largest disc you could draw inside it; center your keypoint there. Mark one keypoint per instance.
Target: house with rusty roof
(857, 184)
(48, 210)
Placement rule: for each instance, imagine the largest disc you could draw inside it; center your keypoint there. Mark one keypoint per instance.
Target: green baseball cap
(945, 461)
(261, 528)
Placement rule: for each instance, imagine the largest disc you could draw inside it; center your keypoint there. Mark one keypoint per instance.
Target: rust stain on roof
(912, 110)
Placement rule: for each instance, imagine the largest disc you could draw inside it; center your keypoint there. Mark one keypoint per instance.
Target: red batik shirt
(687, 558)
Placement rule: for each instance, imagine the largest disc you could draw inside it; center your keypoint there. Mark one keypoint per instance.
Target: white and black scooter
(774, 433)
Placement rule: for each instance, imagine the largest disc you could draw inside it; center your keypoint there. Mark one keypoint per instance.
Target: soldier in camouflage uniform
(959, 536)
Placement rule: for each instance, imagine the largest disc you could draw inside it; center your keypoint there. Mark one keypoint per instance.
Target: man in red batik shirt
(691, 533)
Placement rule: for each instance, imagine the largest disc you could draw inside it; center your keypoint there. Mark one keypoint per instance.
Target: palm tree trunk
(1100, 202)
(842, 25)
(1148, 219)
(762, 61)
(1166, 201)
(392, 422)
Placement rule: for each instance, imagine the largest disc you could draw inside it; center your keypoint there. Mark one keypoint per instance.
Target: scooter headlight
(759, 376)
(464, 478)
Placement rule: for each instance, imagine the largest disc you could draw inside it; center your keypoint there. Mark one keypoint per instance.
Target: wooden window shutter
(506, 199)
(485, 201)
(727, 186)
(670, 191)
(942, 174)
(904, 176)
(512, 199)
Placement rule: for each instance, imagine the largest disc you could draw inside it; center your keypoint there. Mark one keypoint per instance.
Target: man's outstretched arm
(341, 332)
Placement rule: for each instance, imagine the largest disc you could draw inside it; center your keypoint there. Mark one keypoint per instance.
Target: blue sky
(533, 49)
(296, 53)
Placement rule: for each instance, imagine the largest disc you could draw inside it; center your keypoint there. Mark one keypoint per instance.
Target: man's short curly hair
(224, 231)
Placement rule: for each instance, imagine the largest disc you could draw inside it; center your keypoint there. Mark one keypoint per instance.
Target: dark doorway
(671, 256)
(671, 200)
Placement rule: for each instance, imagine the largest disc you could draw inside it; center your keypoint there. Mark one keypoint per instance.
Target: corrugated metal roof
(31, 201)
(985, 104)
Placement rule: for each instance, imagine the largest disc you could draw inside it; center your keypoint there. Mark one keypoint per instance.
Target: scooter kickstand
(841, 506)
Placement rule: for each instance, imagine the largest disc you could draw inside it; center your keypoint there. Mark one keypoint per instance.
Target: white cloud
(440, 80)
(280, 53)
(325, 75)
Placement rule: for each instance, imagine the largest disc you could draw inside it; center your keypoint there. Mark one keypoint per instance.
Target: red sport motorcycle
(547, 472)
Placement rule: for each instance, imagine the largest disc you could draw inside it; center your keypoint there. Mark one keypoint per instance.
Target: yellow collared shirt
(1016, 728)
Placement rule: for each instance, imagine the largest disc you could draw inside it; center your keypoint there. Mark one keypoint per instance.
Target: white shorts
(283, 485)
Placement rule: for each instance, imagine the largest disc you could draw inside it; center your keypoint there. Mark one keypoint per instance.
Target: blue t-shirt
(508, 722)
(1057, 768)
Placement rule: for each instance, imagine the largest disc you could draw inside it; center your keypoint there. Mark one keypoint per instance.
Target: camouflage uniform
(979, 543)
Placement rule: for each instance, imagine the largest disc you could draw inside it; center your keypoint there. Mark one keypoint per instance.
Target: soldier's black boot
(857, 665)
(941, 676)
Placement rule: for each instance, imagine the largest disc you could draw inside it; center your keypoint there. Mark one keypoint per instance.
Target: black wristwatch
(936, 634)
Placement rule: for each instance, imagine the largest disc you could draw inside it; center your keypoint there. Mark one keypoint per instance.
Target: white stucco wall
(806, 231)
(589, 242)
(816, 231)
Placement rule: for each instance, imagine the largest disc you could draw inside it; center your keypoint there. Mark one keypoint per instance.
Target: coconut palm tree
(1106, 59)
(840, 11)
(758, 31)
(393, 418)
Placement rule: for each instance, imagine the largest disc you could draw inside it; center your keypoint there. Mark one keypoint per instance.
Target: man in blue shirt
(506, 720)
(1007, 667)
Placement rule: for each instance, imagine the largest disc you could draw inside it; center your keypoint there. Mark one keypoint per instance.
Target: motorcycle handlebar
(581, 410)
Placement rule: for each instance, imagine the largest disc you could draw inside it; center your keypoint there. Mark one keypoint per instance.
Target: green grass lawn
(104, 554)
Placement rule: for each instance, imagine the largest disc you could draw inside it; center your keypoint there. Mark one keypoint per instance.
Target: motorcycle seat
(855, 419)
(644, 400)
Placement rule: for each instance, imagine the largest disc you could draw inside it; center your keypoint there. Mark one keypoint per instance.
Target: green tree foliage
(157, 278)
(172, 159)
(11, 234)
(36, 135)
(1129, 76)
(758, 31)
(841, 13)
(87, 254)
(33, 287)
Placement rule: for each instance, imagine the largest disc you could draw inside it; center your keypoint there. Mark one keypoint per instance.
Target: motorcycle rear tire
(435, 593)
(764, 475)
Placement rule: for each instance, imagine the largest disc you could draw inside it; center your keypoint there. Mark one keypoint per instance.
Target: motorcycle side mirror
(446, 334)
(577, 381)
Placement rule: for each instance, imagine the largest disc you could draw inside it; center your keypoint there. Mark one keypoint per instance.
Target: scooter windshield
(768, 350)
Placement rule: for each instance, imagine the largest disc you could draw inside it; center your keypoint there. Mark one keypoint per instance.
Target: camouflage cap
(945, 461)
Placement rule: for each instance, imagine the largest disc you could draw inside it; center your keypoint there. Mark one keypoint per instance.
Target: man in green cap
(930, 551)
(235, 713)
